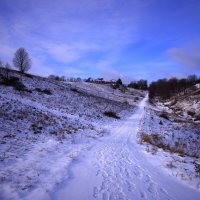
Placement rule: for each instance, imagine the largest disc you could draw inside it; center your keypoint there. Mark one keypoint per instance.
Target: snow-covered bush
(111, 114)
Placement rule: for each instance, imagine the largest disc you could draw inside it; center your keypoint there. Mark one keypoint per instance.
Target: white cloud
(69, 52)
(189, 56)
(6, 53)
(109, 72)
(64, 53)
(73, 72)
(57, 33)
(39, 68)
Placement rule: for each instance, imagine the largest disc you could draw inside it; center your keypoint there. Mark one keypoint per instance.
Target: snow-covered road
(117, 168)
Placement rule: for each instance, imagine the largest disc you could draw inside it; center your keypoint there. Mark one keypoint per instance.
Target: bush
(137, 98)
(28, 75)
(36, 128)
(20, 87)
(191, 113)
(15, 83)
(80, 93)
(156, 140)
(11, 81)
(164, 115)
(38, 89)
(115, 86)
(197, 117)
(197, 168)
(74, 90)
(146, 138)
(111, 114)
(45, 91)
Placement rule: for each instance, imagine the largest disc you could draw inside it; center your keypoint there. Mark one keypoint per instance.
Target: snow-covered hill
(131, 96)
(78, 141)
(44, 103)
(38, 114)
(173, 126)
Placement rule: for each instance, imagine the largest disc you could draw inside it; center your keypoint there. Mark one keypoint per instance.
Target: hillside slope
(55, 137)
(41, 119)
(173, 126)
(48, 101)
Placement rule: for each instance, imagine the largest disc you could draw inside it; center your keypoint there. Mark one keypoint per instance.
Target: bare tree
(21, 60)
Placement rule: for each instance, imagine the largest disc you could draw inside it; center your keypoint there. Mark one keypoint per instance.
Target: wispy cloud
(73, 72)
(189, 55)
(64, 32)
(40, 68)
(92, 37)
(70, 52)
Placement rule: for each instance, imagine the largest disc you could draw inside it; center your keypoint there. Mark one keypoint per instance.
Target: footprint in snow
(143, 195)
(95, 192)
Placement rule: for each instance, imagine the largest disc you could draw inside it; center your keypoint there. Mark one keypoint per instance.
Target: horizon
(130, 40)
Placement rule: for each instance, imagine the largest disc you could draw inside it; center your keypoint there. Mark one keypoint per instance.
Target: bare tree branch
(21, 60)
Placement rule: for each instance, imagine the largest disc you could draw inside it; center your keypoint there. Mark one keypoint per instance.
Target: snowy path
(117, 168)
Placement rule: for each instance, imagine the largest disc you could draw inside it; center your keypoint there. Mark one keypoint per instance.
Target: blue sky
(131, 39)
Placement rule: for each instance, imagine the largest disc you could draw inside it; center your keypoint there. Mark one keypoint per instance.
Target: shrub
(45, 91)
(81, 93)
(36, 128)
(164, 115)
(74, 90)
(115, 86)
(9, 136)
(157, 141)
(173, 102)
(136, 98)
(170, 165)
(20, 87)
(146, 138)
(178, 151)
(191, 113)
(197, 118)
(38, 89)
(28, 75)
(11, 81)
(151, 101)
(153, 139)
(197, 168)
(15, 83)
(111, 114)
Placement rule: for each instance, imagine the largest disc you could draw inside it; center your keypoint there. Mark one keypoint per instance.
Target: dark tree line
(141, 84)
(165, 88)
(102, 81)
